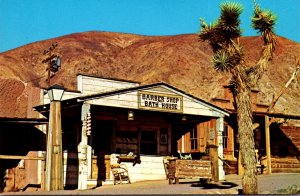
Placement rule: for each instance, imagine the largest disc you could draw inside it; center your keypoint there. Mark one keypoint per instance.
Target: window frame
(194, 138)
(225, 137)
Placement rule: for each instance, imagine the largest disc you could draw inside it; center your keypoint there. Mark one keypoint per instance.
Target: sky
(27, 21)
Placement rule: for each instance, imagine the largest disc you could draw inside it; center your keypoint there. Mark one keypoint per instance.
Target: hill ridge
(179, 60)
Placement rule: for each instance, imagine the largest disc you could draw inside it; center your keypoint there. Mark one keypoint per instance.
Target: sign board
(160, 101)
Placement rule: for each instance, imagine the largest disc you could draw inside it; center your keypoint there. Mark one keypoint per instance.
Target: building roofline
(23, 120)
(276, 115)
(99, 95)
(106, 78)
(119, 91)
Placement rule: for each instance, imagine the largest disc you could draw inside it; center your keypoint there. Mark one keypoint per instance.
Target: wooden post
(171, 170)
(170, 139)
(54, 160)
(82, 150)
(220, 130)
(268, 148)
(49, 150)
(213, 154)
(43, 175)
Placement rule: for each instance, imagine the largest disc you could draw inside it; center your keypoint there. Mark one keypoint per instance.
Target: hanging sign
(160, 101)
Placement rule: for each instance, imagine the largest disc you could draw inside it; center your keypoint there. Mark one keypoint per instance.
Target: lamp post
(54, 157)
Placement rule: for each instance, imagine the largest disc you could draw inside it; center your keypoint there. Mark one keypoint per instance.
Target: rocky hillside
(181, 60)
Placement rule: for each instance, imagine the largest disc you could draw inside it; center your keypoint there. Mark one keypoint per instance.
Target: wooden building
(21, 157)
(277, 142)
(108, 119)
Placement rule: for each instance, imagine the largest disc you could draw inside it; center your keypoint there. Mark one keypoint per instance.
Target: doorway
(148, 142)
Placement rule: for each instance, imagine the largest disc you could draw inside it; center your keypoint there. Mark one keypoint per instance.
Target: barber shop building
(108, 121)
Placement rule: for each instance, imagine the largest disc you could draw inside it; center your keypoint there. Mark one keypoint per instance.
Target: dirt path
(267, 184)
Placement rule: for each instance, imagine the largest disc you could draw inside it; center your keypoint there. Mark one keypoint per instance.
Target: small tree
(223, 36)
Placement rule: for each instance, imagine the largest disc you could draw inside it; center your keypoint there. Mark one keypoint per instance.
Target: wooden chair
(166, 166)
(120, 173)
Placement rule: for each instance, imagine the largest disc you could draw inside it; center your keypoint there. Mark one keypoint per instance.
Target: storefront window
(126, 141)
(225, 136)
(193, 137)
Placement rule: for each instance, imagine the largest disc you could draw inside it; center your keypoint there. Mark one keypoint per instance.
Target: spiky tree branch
(263, 22)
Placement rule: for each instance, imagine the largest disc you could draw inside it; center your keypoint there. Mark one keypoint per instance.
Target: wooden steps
(293, 133)
(285, 165)
(230, 166)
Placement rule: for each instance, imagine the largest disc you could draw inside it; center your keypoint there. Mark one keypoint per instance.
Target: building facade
(109, 118)
(107, 121)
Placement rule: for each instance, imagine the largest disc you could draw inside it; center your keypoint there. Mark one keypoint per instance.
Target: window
(193, 138)
(126, 141)
(225, 136)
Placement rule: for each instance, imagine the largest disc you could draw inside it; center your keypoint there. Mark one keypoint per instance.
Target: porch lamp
(54, 156)
(55, 92)
(130, 115)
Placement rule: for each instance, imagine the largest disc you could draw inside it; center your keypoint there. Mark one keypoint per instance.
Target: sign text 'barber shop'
(159, 101)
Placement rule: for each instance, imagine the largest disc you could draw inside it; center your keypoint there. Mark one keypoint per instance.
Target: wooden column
(220, 129)
(43, 174)
(268, 148)
(83, 150)
(54, 159)
(170, 139)
(48, 153)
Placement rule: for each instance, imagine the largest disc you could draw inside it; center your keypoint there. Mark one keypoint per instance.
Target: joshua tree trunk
(223, 37)
(244, 115)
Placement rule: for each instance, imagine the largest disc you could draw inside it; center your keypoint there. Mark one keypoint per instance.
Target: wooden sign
(160, 101)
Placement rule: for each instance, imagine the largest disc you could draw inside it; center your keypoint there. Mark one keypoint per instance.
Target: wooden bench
(190, 169)
(120, 173)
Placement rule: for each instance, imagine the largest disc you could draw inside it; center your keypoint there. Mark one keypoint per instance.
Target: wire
(36, 78)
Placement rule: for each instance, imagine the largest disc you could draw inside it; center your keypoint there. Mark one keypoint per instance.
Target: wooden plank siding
(206, 134)
(203, 136)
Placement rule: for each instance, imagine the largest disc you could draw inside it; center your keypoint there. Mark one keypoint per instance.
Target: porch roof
(86, 98)
(271, 114)
(35, 121)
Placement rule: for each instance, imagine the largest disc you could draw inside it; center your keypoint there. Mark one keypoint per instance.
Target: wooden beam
(16, 157)
(268, 148)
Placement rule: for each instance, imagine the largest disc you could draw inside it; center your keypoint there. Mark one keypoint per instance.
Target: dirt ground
(268, 184)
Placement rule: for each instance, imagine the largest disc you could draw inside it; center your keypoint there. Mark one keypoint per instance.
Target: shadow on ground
(215, 185)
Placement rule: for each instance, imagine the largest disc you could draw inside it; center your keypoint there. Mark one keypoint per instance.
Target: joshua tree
(223, 36)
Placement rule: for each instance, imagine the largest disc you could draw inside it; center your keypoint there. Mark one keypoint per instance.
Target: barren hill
(181, 60)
